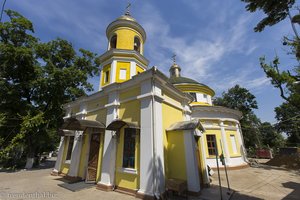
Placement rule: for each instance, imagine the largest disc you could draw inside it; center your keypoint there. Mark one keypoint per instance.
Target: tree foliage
(270, 136)
(241, 99)
(36, 79)
(275, 11)
(288, 81)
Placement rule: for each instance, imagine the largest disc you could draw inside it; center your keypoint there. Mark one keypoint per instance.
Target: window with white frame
(122, 74)
(233, 143)
(70, 147)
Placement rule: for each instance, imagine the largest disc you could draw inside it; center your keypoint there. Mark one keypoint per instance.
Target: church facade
(143, 128)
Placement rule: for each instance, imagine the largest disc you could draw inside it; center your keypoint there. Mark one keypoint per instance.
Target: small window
(205, 96)
(129, 148)
(194, 95)
(113, 42)
(211, 144)
(106, 78)
(123, 74)
(70, 147)
(137, 44)
(233, 143)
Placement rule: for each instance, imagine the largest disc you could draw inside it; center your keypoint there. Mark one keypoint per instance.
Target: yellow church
(143, 128)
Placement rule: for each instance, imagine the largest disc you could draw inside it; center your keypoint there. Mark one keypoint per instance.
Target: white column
(59, 155)
(192, 171)
(146, 142)
(224, 143)
(100, 78)
(241, 143)
(186, 112)
(109, 147)
(76, 152)
(113, 71)
(132, 69)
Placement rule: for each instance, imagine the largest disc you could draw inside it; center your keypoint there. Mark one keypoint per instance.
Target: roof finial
(174, 58)
(128, 9)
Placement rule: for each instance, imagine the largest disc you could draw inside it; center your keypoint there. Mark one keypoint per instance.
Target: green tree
(241, 99)
(270, 136)
(289, 122)
(275, 11)
(36, 79)
(288, 81)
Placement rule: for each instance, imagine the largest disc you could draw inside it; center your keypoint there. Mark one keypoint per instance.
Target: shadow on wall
(244, 155)
(158, 174)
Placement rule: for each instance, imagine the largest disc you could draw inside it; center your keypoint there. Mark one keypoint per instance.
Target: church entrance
(93, 158)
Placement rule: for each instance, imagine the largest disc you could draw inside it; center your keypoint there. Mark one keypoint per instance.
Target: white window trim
(127, 170)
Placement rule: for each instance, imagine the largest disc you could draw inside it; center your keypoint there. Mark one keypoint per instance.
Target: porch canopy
(62, 132)
(118, 123)
(186, 125)
(81, 124)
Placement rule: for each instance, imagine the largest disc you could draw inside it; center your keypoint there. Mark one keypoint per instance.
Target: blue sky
(214, 40)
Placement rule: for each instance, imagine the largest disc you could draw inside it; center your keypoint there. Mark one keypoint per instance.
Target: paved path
(250, 183)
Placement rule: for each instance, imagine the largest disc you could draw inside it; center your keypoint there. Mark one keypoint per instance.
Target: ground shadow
(295, 194)
(238, 195)
(46, 164)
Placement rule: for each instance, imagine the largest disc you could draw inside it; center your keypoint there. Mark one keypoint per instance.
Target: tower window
(113, 42)
(137, 44)
(106, 78)
(194, 95)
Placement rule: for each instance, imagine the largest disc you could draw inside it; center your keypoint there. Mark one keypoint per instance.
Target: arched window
(113, 42)
(137, 44)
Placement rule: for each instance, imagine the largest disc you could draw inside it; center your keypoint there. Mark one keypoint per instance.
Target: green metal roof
(180, 80)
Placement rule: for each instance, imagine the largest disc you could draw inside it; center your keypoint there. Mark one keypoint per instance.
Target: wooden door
(93, 158)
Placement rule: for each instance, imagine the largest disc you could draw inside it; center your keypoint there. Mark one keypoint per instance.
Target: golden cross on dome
(174, 57)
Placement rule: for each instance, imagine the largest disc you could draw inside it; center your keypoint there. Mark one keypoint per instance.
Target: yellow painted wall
(97, 103)
(130, 111)
(104, 70)
(139, 69)
(196, 88)
(217, 133)
(75, 109)
(64, 166)
(228, 133)
(99, 115)
(123, 65)
(133, 92)
(170, 115)
(126, 180)
(176, 155)
(125, 38)
(83, 155)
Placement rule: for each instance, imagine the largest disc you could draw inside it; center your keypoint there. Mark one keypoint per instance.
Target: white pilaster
(113, 71)
(224, 143)
(109, 147)
(132, 69)
(146, 142)
(76, 152)
(158, 140)
(58, 162)
(192, 171)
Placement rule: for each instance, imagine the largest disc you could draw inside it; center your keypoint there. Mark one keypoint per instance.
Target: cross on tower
(174, 58)
(128, 9)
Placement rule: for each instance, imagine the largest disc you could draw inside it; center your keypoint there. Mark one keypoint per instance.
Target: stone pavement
(251, 183)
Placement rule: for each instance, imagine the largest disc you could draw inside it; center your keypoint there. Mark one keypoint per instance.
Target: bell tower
(124, 56)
